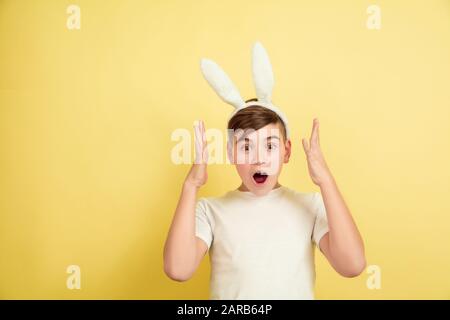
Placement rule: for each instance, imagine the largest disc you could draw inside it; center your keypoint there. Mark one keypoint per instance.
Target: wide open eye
(272, 146)
(245, 147)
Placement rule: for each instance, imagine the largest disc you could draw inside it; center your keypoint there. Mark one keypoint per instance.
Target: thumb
(205, 155)
(305, 145)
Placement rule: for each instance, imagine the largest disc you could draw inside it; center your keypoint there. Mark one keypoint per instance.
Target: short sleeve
(321, 221)
(203, 225)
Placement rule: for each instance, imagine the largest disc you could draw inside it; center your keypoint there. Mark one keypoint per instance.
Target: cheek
(239, 155)
(275, 162)
(280, 154)
(243, 170)
(277, 155)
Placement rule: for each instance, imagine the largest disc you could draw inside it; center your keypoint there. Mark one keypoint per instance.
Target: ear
(262, 73)
(221, 83)
(288, 148)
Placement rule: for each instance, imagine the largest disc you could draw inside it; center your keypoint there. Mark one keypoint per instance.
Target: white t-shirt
(262, 247)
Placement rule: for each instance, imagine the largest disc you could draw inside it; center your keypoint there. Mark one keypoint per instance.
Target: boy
(260, 235)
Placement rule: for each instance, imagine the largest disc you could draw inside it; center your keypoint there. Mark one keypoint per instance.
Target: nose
(261, 156)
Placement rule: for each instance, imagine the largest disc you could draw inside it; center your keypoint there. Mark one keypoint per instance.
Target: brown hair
(255, 117)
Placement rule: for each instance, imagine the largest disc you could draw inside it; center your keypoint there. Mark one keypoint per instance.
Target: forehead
(271, 131)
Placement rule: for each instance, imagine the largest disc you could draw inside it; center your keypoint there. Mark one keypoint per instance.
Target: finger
(198, 148)
(204, 144)
(316, 135)
(305, 145)
(205, 155)
(200, 133)
(196, 132)
(313, 140)
(203, 134)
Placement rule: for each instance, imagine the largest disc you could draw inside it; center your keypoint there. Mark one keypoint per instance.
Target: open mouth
(260, 177)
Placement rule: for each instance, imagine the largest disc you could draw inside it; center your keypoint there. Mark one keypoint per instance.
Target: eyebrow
(242, 138)
(247, 139)
(272, 137)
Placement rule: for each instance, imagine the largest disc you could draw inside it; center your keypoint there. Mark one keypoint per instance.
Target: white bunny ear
(221, 83)
(262, 73)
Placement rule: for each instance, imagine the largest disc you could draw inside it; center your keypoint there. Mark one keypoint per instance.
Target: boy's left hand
(318, 169)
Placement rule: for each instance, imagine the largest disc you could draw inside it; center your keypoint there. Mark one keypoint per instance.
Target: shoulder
(308, 200)
(300, 195)
(212, 203)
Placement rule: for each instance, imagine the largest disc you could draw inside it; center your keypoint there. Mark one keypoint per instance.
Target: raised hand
(198, 175)
(318, 169)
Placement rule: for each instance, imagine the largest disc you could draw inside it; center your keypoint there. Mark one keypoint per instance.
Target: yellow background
(86, 119)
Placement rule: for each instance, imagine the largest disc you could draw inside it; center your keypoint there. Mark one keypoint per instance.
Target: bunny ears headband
(262, 78)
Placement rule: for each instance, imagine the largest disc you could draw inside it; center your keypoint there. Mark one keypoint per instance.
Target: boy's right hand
(198, 175)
